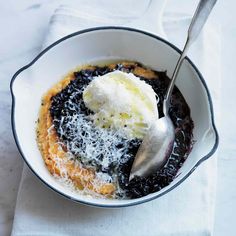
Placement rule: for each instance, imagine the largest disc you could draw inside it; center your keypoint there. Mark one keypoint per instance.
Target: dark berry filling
(179, 113)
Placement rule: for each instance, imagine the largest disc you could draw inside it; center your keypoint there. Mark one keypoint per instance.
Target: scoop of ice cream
(123, 102)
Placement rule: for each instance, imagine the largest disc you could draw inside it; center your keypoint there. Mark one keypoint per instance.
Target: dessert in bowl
(92, 120)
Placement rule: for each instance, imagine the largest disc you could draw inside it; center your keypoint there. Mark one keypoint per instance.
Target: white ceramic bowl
(92, 45)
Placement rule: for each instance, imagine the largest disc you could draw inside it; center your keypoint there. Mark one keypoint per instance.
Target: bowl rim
(87, 202)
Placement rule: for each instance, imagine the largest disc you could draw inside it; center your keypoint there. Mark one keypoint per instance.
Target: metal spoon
(157, 145)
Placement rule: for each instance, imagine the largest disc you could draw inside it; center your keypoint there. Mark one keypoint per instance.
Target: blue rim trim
(125, 29)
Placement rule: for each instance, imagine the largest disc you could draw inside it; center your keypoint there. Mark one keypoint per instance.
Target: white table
(23, 26)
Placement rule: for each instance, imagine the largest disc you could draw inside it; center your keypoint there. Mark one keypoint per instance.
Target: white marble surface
(23, 25)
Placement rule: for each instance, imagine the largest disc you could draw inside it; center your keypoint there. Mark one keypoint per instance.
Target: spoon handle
(200, 16)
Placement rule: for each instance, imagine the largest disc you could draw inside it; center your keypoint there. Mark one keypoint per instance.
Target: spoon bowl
(157, 143)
